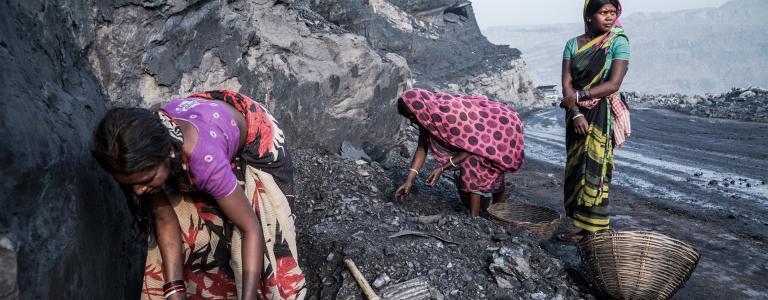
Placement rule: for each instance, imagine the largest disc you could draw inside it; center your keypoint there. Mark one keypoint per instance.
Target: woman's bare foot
(572, 237)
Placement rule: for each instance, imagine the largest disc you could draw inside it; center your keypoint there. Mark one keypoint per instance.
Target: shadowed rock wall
(61, 214)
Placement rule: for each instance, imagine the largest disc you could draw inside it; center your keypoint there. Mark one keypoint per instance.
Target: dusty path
(700, 180)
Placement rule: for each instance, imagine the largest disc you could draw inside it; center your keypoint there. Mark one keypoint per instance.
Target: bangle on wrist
(414, 171)
(450, 159)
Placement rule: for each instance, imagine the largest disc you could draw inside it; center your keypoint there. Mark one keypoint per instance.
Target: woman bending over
(210, 183)
(478, 138)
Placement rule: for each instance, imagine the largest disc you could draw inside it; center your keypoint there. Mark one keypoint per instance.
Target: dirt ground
(346, 209)
(682, 176)
(732, 264)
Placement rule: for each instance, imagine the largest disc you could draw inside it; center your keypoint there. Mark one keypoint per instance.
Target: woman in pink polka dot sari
(481, 138)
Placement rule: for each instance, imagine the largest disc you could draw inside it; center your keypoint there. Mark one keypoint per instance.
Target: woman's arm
(580, 124)
(619, 69)
(569, 93)
(567, 83)
(416, 164)
(451, 163)
(238, 209)
(168, 236)
(420, 156)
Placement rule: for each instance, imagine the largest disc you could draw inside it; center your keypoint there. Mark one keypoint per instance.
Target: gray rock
(747, 94)
(381, 280)
(503, 283)
(529, 285)
(9, 288)
(350, 151)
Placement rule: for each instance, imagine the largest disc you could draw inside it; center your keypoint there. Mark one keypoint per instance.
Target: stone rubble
(745, 104)
(353, 216)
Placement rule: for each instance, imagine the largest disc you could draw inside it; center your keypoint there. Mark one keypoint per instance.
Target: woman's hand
(580, 125)
(434, 176)
(178, 296)
(568, 102)
(403, 190)
(237, 208)
(259, 294)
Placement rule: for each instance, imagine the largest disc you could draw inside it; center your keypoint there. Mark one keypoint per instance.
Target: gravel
(343, 214)
(745, 104)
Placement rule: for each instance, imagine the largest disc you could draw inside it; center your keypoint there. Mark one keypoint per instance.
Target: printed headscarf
(474, 124)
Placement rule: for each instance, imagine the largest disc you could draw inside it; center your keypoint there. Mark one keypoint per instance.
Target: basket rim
(494, 215)
(610, 233)
(666, 272)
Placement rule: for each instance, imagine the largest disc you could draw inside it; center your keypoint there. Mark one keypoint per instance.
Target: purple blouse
(217, 143)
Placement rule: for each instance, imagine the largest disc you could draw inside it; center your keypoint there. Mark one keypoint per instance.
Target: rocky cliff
(316, 78)
(66, 62)
(442, 43)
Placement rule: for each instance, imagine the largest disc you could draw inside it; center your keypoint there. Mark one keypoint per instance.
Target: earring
(173, 154)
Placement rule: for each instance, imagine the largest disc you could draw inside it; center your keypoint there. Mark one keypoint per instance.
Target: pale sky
(536, 12)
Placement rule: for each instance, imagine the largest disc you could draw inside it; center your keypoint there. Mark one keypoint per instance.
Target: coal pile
(738, 104)
(346, 209)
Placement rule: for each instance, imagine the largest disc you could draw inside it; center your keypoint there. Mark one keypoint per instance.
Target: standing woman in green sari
(597, 119)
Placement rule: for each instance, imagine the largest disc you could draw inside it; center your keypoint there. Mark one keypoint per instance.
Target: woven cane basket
(541, 220)
(637, 264)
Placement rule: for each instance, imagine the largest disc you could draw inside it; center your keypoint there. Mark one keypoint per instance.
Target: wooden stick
(361, 280)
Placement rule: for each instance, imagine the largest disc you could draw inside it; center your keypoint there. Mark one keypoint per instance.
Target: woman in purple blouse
(210, 183)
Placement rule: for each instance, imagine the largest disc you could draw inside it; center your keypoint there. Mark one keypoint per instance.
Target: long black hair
(596, 5)
(130, 140)
(403, 109)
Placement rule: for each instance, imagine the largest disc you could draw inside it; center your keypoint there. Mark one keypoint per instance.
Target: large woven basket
(637, 264)
(541, 220)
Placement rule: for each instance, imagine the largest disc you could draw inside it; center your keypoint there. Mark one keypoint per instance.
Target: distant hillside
(691, 51)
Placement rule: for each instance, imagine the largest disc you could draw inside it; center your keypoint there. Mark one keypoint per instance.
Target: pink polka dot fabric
(490, 130)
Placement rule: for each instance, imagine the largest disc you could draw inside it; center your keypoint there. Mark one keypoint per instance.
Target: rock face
(441, 42)
(62, 214)
(318, 79)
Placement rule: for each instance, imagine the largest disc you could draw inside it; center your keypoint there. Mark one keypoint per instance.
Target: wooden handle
(361, 280)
